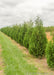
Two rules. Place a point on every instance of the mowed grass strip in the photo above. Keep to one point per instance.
(1, 63)
(15, 63)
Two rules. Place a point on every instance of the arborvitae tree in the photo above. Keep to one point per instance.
(28, 34)
(14, 32)
(50, 54)
(22, 32)
(27, 37)
(38, 41)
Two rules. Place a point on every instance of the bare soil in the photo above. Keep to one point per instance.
(49, 37)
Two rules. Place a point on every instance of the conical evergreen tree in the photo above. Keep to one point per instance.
(28, 34)
(22, 32)
(50, 54)
(38, 41)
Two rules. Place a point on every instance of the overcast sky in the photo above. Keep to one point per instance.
(18, 11)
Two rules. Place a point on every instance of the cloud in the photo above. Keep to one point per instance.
(48, 15)
(18, 11)
(11, 2)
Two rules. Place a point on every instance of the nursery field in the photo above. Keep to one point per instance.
(16, 60)
(27, 49)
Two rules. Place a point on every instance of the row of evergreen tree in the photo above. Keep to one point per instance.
(33, 38)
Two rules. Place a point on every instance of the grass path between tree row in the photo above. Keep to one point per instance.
(14, 61)
(18, 61)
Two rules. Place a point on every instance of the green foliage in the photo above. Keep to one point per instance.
(50, 54)
(49, 29)
(38, 40)
(27, 37)
(52, 33)
(17, 32)
(23, 30)
(53, 38)
(28, 34)
(33, 38)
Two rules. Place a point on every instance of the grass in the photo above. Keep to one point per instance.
(14, 61)
(0, 68)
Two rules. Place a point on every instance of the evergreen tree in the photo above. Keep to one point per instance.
(50, 54)
(38, 41)
(28, 34)
(22, 32)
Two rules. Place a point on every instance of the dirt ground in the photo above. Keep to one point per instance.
(49, 37)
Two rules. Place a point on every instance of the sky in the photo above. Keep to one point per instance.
(17, 11)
